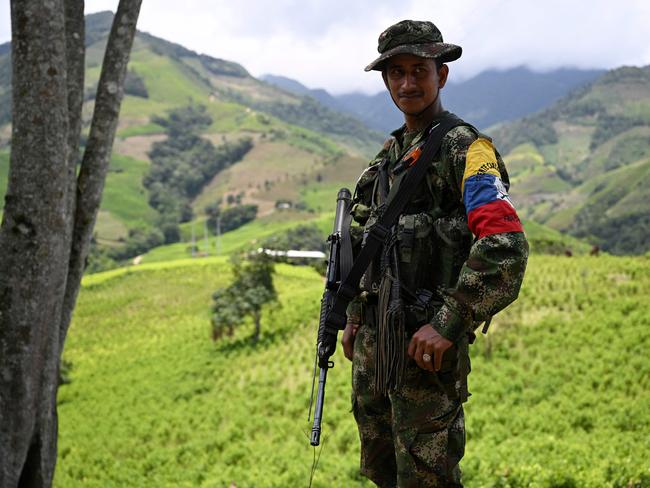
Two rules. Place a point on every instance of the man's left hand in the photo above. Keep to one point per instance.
(427, 340)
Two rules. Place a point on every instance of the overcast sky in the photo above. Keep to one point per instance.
(327, 43)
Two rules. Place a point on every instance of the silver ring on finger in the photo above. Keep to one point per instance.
(426, 358)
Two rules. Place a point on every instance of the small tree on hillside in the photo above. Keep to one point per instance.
(246, 296)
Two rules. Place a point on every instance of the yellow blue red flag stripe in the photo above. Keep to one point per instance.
(489, 209)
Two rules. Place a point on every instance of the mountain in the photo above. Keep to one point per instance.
(489, 98)
(583, 165)
(580, 166)
(210, 79)
(295, 139)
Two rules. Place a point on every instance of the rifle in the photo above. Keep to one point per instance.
(338, 265)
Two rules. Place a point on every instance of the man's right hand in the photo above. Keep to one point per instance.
(347, 341)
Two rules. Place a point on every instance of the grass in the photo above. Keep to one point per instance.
(246, 237)
(267, 164)
(175, 87)
(560, 384)
(109, 228)
(546, 240)
(124, 194)
(141, 130)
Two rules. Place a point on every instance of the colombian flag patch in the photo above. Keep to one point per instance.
(489, 209)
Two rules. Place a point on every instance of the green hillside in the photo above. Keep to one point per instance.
(581, 166)
(247, 237)
(560, 384)
(293, 136)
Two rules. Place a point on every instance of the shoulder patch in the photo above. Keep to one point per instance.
(481, 159)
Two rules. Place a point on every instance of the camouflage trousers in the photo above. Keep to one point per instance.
(415, 436)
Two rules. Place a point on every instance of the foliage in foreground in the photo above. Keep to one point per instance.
(560, 384)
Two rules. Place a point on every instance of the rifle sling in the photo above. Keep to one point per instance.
(399, 195)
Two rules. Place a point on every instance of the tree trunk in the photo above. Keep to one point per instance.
(48, 216)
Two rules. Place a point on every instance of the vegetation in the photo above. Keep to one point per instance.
(251, 289)
(313, 115)
(591, 180)
(230, 218)
(183, 164)
(245, 238)
(306, 237)
(134, 85)
(536, 130)
(560, 384)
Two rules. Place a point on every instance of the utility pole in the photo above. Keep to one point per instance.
(205, 237)
(193, 241)
(218, 239)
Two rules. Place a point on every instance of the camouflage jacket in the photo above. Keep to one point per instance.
(458, 237)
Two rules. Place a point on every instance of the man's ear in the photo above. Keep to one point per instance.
(443, 72)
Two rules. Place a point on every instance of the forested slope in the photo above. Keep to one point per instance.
(583, 165)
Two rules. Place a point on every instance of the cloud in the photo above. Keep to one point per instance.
(326, 43)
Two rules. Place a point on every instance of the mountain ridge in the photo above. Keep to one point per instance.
(303, 151)
(483, 100)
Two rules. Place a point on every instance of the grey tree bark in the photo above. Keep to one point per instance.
(49, 215)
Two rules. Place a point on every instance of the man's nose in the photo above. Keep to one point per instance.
(408, 82)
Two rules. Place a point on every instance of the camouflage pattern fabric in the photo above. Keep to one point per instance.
(473, 261)
(421, 38)
(414, 437)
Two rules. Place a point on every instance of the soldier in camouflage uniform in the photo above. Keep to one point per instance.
(456, 257)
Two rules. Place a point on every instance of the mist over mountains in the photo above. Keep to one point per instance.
(490, 98)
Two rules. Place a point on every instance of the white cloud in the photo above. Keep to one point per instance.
(326, 43)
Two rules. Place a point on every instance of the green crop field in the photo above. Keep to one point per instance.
(561, 384)
(124, 195)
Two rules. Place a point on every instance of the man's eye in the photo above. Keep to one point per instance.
(395, 73)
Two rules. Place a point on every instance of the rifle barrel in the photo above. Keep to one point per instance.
(318, 411)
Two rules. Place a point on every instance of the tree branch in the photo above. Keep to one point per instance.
(96, 160)
(75, 68)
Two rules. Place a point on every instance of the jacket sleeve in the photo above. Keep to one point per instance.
(492, 275)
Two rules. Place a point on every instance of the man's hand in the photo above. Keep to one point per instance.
(427, 340)
(347, 341)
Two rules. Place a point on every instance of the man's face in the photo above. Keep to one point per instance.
(414, 82)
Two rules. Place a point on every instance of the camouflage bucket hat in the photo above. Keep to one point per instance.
(420, 38)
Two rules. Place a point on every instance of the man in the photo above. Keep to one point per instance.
(455, 257)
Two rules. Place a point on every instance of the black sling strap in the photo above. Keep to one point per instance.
(398, 197)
